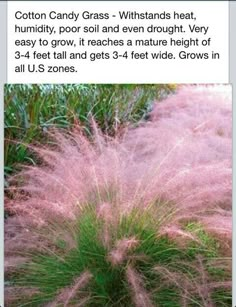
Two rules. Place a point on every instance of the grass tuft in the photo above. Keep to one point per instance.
(135, 236)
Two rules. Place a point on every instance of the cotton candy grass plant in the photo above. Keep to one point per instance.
(99, 225)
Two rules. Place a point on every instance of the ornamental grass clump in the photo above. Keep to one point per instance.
(128, 221)
(96, 260)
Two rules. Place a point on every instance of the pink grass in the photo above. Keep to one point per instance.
(140, 295)
(178, 162)
(120, 252)
(182, 155)
(67, 294)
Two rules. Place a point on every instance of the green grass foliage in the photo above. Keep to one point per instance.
(167, 273)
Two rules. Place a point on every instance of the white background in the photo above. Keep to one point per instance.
(213, 14)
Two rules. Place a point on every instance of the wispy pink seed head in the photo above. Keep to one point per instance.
(122, 247)
(104, 211)
(140, 296)
(67, 294)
